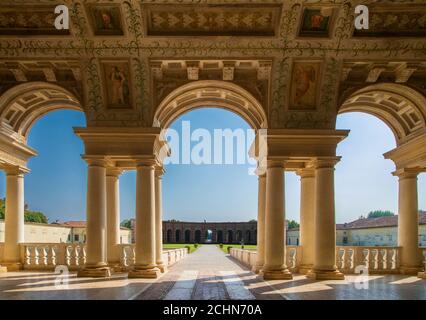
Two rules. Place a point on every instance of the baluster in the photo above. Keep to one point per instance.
(366, 253)
(123, 256)
(351, 259)
(68, 256)
(52, 256)
(43, 256)
(28, 255)
(83, 256)
(36, 256)
(341, 255)
(374, 260)
(394, 259)
(383, 256)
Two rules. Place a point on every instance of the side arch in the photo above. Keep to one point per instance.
(23, 104)
(402, 108)
(210, 93)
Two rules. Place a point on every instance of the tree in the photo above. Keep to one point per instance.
(126, 224)
(293, 224)
(380, 213)
(35, 216)
(29, 216)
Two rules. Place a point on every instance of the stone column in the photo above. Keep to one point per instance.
(325, 225)
(113, 216)
(14, 219)
(275, 266)
(307, 218)
(260, 257)
(408, 222)
(96, 253)
(145, 266)
(159, 220)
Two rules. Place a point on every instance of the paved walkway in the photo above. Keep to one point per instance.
(209, 274)
(206, 274)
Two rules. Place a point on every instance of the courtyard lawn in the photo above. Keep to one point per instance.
(238, 246)
(192, 247)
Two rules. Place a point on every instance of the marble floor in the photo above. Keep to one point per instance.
(206, 274)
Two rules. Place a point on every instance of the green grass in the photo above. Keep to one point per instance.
(179, 246)
(238, 246)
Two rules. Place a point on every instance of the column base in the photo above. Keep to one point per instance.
(162, 267)
(325, 275)
(407, 270)
(283, 274)
(257, 269)
(3, 269)
(422, 275)
(115, 266)
(305, 268)
(12, 266)
(145, 273)
(94, 272)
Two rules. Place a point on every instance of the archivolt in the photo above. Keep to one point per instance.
(210, 93)
(22, 105)
(401, 108)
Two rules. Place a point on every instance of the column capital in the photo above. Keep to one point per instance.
(95, 161)
(325, 163)
(113, 172)
(407, 173)
(275, 164)
(306, 173)
(15, 170)
(159, 172)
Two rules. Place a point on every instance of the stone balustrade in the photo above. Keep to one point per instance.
(47, 256)
(248, 257)
(170, 256)
(378, 260)
(349, 259)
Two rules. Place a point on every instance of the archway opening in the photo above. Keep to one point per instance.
(187, 236)
(197, 236)
(177, 236)
(219, 236)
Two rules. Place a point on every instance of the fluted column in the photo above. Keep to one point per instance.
(275, 266)
(113, 216)
(96, 253)
(14, 219)
(307, 218)
(408, 222)
(260, 257)
(325, 225)
(145, 266)
(159, 220)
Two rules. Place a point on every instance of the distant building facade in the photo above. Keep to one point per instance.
(66, 232)
(210, 232)
(380, 231)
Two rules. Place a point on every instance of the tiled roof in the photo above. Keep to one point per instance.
(75, 224)
(391, 221)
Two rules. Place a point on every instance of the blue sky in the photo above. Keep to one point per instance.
(57, 182)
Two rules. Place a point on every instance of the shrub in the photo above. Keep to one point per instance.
(189, 248)
(229, 249)
(195, 245)
(221, 245)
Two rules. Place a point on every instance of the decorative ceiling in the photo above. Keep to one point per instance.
(300, 58)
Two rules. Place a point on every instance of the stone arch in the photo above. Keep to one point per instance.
(23, 104)
(177, 235)
(169, 236)
(402, 108)
(197, 236)
(187, 236)
(219, 236)
(210, 93)
(230, 236)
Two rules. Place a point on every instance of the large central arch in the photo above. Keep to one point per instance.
(210, 93)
